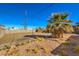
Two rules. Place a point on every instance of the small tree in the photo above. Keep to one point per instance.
(39, 29)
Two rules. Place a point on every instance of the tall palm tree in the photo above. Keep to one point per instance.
(58, 25)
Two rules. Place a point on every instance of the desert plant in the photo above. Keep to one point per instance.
(28, 41)
(63, 52)
(0, 49)
(58, 25)
(47, 51)
(27, 50)
(35, 50)
(17, 44)
(76, 49)
(40, 39)
(39, 30)
(6, 47)
(66, 43)
(22, 43)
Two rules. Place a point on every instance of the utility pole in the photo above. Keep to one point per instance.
(25, 21)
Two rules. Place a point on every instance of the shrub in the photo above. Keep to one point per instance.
(63, 52)
(42, 48)
(17, 44)
(46, 50)
(66, 43)
(76, 49)
(0, 49)
(22, 43)
(40, 39)
(27, 50)
(6, 47)
(36, 50)
(28, 41)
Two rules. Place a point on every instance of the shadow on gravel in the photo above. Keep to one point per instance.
(34, 36)
(67, 49)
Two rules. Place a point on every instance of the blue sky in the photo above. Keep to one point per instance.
(36, 14)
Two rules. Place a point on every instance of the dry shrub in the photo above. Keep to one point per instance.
(27, 50)
(17, 44)
(40, 39)
(63, 52)
(12, 52)
(46, 50)
(66, 43)
(28, 41)
(76, 49)
(5, 47)
(36, 50)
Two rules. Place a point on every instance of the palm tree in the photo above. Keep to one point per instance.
(58, 25)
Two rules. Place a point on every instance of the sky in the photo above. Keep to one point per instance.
(35, 14)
